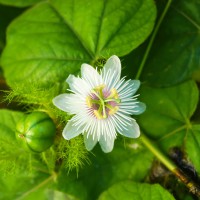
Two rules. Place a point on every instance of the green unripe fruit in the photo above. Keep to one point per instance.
(36, 131)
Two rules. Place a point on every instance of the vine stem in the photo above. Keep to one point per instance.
(184, 178)
(154, 149)
(152, 39)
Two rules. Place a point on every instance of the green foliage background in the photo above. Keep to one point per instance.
(42, 42)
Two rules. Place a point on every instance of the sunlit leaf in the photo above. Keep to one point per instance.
(55, 195)
(128, 190)
(8, 120)
(54, 38)
(25, 187)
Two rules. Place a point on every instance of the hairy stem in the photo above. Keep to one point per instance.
(152, 39)
(184, 178)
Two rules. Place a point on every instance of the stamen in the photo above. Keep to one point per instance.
(113, 94)
(98, 114)
(113, 110)
(94, 92)
(101, 105)
(104, 112)
(89, 101)
(115, 100)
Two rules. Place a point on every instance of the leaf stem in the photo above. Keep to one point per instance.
(184, 178)
(152, 39)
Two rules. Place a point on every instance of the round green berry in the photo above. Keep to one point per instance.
(36, 131)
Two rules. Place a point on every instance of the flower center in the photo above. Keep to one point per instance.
(103, 102)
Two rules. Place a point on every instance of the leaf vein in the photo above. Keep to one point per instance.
(100, 27)
(73, 31)
(119, 28)
(188, 18)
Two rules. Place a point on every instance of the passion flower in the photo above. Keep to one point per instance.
(36, 131)
(102, 105)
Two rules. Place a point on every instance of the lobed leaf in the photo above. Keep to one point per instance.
(168, 118)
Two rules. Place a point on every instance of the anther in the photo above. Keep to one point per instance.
(113, 110)
(89, 101)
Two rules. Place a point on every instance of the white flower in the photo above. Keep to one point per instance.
(101, 104)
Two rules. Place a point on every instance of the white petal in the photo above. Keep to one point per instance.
(120, 123)
(141, 107)
(131, 131)
(70, 131)
(128, 88)
(70, 103)
(132, 107)
(90, 75)
(111, 71)
(78, 85)
(90, 141)
(107, 143)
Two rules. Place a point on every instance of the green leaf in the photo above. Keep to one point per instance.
(128, 190)
(168, 109)
(11, 155)
(192, 145)
(6, 15)
(25, 187)
(175, 53)
(128, 160)
(8, 120)
(55, 195)
(19, 3)
(54, 38)
(72, 185)
(168, 118)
